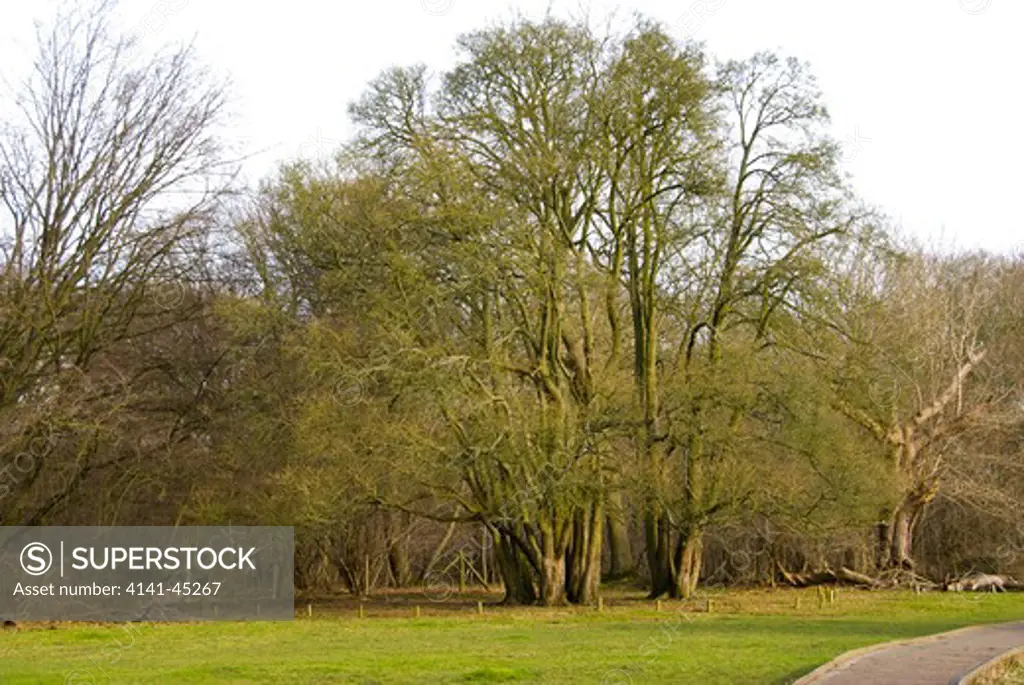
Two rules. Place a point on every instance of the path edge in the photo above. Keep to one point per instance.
(969, 678)
(853, 655)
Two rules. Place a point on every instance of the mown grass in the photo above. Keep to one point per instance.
(750, 637)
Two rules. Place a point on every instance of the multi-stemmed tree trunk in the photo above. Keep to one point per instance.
(515, 570)
(513, 134)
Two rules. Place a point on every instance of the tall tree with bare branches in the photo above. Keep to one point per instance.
(109, 164)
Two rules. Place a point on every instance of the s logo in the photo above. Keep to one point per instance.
(36, 559)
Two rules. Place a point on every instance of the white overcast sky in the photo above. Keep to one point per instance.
(921, 91)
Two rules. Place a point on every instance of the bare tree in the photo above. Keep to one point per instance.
(919, 394)
(108, 164)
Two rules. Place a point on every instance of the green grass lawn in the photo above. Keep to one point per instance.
(750, 637)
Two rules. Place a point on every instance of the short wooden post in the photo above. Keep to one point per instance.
(362, 612)
(657, 606)
(309, 610)
(796, 603)
(600, 604)
(480, 608)
(711, 605)
(417, 611)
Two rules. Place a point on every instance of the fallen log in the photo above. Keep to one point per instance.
(843, 576)
(984, 582)
(897, 578)
(851, 577)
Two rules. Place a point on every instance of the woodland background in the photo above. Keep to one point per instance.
(587, 306)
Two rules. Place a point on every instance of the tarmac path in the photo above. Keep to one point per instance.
(933, 660)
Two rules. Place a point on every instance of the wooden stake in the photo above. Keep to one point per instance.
(309, 610)
(657, 605)
(600, 604)
(480, 608)
(417, 611)
(362, 614)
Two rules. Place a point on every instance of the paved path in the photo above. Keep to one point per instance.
(934, 660)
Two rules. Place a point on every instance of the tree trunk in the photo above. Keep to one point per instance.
(902, 540)
(659, 559)
(688, 555)
(515, 571)
(904, 521)
(619, 548)
(398, 556)
(583, 563)
(552, 580)
(689, 559)
(883, 545)
(552, 567)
